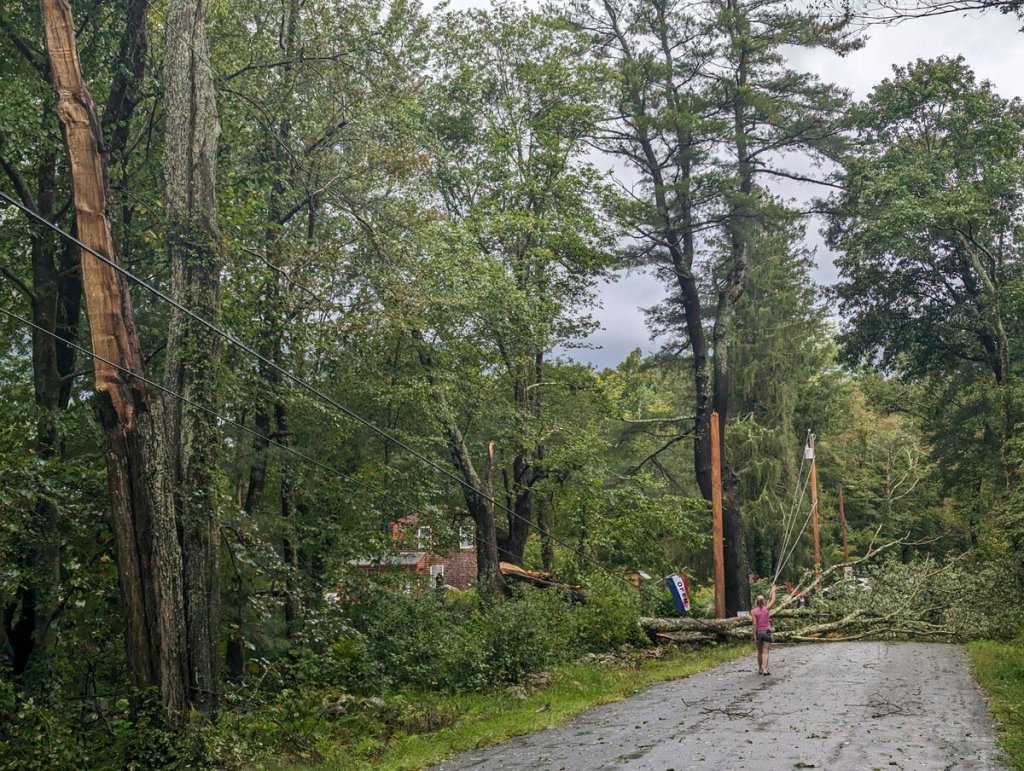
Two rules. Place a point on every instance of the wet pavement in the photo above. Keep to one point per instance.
(858, 705)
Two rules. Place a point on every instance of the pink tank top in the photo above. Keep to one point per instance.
(762, 619)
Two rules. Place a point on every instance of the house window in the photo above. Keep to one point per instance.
(423, 537)
(437, 576)
(466, 540)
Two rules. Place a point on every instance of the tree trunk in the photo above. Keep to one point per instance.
(55, 300)
(512, 547)
(56, 307)
(737, 583)
(547, 546)
(289, 554)
(479, 495)
(482, 510)
(126, 90)
(527, 466)
(146, 545)
(190, 155)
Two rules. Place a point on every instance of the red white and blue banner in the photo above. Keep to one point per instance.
(679, 590)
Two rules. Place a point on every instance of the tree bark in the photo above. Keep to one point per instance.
(193, 244)
(142, 517)
(547, 546)
(289, 553)
(478, 493)
(737, 584)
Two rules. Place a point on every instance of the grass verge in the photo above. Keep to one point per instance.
(483, 719)
(999, 669)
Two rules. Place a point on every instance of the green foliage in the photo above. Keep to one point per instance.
(445, 642)
(526, 635)
(928, 227)
(608, 619)
(968, 597)
(383, 170)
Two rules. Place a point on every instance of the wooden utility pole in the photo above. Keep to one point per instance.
(814, 508)
(842, 526)
(717, 538)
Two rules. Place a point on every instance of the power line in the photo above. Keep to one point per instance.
(207, 410)
(227, 336)
(256, 434)
(184, 399)
(791, 518)
(803, 529)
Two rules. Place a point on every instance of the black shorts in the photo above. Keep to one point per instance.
(764, 636)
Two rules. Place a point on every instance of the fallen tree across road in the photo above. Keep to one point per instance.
(920, 600)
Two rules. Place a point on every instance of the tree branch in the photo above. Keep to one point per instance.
(18, 283)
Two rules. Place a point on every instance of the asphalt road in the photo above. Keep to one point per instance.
(860, 705)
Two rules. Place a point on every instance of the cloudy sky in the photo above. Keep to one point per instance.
(992, 45)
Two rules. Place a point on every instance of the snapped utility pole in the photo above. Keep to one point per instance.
(717, 534)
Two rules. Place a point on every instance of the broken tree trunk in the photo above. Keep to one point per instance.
(142, 514)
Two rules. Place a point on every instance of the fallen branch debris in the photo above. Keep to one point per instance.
(856, 615)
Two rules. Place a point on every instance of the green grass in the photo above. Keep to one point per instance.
(481, 720)
(999, 669)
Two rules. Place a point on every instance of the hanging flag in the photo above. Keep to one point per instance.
(679, 590)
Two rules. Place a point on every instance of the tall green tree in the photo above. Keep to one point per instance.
(317, 211)
(703, 107)
(515, 102)
(928, 228)
(781, 345)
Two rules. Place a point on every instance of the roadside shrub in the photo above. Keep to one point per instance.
(330, 653)
(143, 740)
(435, 640)
(527, 634)
(610, 617)
(454, 642)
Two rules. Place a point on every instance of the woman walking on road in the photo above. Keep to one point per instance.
(762, 619)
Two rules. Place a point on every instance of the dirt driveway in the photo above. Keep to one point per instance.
(851, 706)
